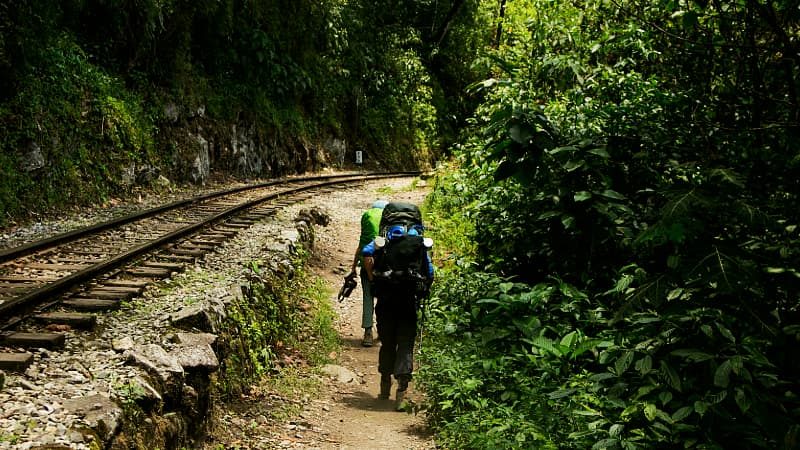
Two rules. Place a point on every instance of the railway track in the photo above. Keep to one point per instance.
(66, 280)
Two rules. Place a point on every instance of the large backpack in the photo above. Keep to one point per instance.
(399, 213)
(401, 263)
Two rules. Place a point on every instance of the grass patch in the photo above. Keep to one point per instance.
(319, 339)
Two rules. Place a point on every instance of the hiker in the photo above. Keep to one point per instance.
(400, 270)
(370, 221)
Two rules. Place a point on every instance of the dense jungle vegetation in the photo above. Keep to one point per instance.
(92, 90)
(621, 215)
(616, 220)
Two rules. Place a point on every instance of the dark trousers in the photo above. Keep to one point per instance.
(396, 315)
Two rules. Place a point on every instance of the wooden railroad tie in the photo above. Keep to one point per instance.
(15, 361)
(125, 283)
(92, 304)
(109, 294)
(181, 258)
(148, 272)
(75, 320)
(34, 340)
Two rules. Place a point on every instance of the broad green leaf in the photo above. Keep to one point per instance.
(616, 430)
(599, 151)
(675, 293)
(561, 393)
(573, 165)
(548, 214)
(691, 354)
(586, 412)
(582, 195)
(718, 397)
(644, 365)
(612, 194)
(629, 410)
(605, 443)
(650, 411)
(602, 376)
(546, 344)
(722, 374)
(682, 413)
(623, 362)
(665, 397)
(568, 222)
(644, 390)
(671, 376)
(742, 400)
(557, 150)
(569, 339)
(725, 332)
(700, 407)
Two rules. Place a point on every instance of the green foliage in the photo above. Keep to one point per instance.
(108, 131)
(263, 319)
(631, 190)
(88, 83)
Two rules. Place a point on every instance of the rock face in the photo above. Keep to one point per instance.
(202, 145)
(32, 158)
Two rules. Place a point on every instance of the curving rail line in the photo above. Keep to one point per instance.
(152, 243)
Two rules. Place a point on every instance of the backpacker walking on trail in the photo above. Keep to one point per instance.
(370, 223)
(400, 269)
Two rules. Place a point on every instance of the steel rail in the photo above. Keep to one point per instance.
(13, 306)
(70, 236)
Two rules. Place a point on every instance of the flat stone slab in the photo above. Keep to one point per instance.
(195, 338)
(16, 361)
(99, 412)
(166, 372)
(341, 374)
(196, 358)
(35, 340)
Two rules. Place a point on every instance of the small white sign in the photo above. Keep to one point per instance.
(359, 157)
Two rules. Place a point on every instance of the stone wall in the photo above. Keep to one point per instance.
(169, 404)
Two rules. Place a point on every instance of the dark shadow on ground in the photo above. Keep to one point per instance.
(351, 342)
(420, 430)
(356, 342)
(368, 402)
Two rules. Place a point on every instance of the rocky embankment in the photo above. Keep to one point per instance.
(144, 377)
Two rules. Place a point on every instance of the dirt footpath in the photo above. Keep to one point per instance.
(356, 418)
(341, 410)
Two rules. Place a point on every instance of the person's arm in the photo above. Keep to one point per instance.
(369, 264)
(367, 254)
(355, 260)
